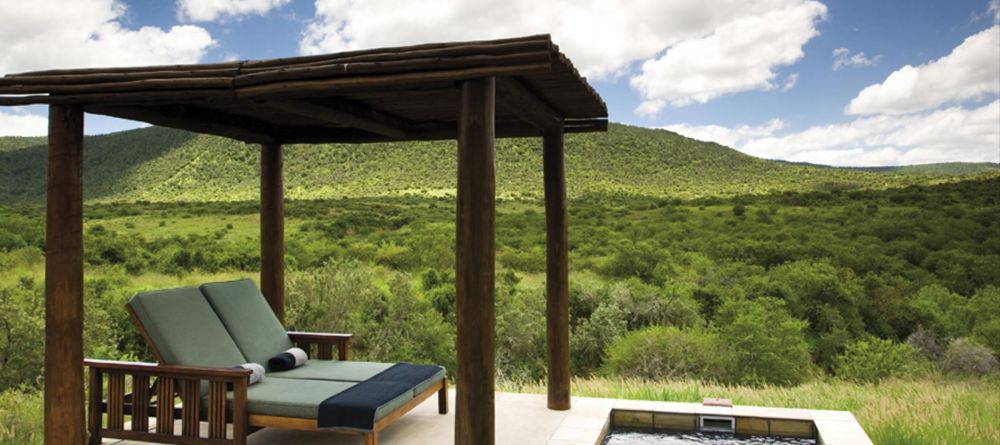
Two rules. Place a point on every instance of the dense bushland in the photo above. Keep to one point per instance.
(783, 290)
(790, 288)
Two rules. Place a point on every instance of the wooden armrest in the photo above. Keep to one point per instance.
(324, 340)
(173, 371)
(171, 381)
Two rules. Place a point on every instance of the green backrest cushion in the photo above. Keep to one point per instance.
(248, 318)
(184, 328)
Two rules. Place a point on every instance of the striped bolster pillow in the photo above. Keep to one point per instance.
(292, 358)
(256, 372)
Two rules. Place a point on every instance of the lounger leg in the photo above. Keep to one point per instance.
(371, 438)
(443, 397)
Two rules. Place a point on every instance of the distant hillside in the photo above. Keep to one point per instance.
(939, 169)
(159, 164)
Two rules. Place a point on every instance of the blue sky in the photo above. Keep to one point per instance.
(759, 76)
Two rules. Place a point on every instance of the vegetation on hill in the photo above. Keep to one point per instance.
(159, 164)
(942, 169)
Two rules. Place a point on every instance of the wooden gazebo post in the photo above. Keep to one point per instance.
(474, 263)
(64, 418)
(272, 228)
(557, 270)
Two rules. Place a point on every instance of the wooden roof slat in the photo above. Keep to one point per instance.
(423, 50)
(187, 83)
(309, 88)
(343, 69)
(114, 77)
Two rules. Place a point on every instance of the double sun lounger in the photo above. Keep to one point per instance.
(201, 336)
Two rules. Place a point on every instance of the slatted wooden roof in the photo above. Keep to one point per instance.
(388, 94)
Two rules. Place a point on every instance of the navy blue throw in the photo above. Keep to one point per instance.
(355, 407)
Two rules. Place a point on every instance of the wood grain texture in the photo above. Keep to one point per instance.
(475, 263)
(191, 408)
(116, 401)
(94, 412)
(557, 270)
(140, 403)
(64, 398)
(272, 228)
(165, 406)
(217, 410)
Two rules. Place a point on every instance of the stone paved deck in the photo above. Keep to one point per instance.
(524, 419)
(521, 419)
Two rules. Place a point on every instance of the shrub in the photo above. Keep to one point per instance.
(984, 308)
(520, 331)
(875, 359)
(22, 320)
(665, 352)
(942, 310)
(763, 343)
(967, 357)
(592, 336)
(926, 342)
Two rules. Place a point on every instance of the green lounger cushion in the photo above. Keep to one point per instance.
(338, 371)
(429, 382)
(184, 328)
(248, 318)
(301, 398)
(333, 370)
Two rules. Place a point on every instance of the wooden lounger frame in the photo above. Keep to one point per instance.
(155, 388)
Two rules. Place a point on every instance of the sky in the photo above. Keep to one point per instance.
(837, 82)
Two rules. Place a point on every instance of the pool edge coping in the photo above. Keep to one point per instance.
(590, 419)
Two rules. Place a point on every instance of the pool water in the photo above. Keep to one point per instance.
(631, 437)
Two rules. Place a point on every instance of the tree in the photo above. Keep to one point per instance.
(762, 342)
(875, 359)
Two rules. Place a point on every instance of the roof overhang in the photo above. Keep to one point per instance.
(387, 94)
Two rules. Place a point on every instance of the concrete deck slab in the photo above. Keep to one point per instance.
(524, 419)
(521, 419)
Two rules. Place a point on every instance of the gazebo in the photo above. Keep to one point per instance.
(469, 91)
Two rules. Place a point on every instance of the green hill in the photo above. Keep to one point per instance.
(938, 169)
(159, 164)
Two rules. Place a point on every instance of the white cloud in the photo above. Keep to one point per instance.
(18, 122)
(842, 57)
(947, 135)
(603, 38)
(740, 55)
(970, 71)
(730, 137)
(210, 10)
(790, 82)
(86, 33)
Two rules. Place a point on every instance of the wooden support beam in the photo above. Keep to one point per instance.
(196, 119)
(272, 228)
(557, 270)
(515, 98)
(475, 262)
(344, 113)
(64, 406)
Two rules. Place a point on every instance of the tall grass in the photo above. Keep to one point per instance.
(21, 417)
(932, 411)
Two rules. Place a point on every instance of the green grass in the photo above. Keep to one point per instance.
(21, 417)
(928, 411)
